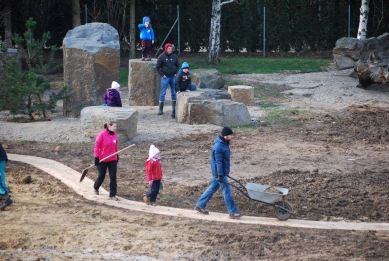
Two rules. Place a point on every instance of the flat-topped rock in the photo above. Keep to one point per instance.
(242, 93)
(93, 119)
(197, 107)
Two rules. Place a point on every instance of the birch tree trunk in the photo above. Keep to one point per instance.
(364, 14)
(76, 13)
(214, 34)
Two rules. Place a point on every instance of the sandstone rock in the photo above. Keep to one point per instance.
(91, 63)
(196, 108)
(346, 52)
(144, 83)
(93, 119)
(242, 93)
(207, 78)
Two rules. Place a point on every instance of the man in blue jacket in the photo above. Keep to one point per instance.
(220, 166)
(3, 187)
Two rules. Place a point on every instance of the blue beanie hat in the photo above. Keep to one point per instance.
(146, 19)
(185, 65)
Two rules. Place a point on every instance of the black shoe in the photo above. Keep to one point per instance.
(201, 210)
(235, 216)
(6, 203)
(96, 192)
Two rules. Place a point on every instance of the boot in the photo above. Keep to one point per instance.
(173, 109)
(143, 58)
(149, 57)
(160, 111)
(146, 200)
(8, 201)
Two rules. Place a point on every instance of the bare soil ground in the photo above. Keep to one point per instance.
(330, 147)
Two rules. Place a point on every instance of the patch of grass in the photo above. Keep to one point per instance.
(267, 105)
(247, 65)
(123, 76)
(232, 83)
(284, 118)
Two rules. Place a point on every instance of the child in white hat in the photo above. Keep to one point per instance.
(154, 175)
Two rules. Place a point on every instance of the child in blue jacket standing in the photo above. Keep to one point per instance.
(146, 38)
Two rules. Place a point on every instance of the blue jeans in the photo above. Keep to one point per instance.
(192, 87)
(165, 81)
(227, 193)
(154, 190)
(3, 186)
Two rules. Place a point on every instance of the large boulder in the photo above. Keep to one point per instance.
(198, 108)
(348, 51)
(207, 78)
(144, 83)
(91, 62)
(93, 119)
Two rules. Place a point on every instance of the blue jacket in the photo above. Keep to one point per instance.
(146, 33)
(220, 158)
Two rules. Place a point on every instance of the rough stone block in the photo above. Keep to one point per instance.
(93, 119)
(207, 78)
(242, 93)
(144, 83)
(91, 63)
(197, 108)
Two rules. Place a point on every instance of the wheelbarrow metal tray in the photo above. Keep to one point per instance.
(257, 192)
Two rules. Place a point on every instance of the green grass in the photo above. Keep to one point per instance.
(247, 65)
(284, 118)
(123, 76)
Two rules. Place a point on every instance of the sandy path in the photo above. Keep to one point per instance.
(71, 177)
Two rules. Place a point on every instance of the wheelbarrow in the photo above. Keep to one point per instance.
(267, 194)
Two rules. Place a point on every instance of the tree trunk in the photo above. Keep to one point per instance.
(132, 29)
(214, 34)
(76, 13)
(363, 17)
(7, 27)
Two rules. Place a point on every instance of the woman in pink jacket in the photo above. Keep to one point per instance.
(105, 145)
(154, 175)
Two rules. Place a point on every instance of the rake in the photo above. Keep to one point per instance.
(83, 174)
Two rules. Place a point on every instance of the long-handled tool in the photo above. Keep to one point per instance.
(83, 174)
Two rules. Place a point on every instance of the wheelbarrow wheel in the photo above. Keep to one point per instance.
(283, 210)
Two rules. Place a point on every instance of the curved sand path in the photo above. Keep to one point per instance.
(71, 178)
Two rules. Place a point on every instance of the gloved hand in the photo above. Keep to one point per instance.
(219, 178)
(151, 182)
(97, 161)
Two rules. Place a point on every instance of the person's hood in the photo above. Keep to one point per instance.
(166, 46)
(146, 19)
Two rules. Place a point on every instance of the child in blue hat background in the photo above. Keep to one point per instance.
(183, 80)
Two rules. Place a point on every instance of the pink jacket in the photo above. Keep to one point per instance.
(153, 169)
(105, 145)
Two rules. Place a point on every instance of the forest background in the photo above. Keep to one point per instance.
(303, 26)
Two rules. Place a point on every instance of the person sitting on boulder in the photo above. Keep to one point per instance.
(112, 96)
(183, 79)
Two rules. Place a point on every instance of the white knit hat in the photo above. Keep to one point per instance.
(153, 151)
(115, 85)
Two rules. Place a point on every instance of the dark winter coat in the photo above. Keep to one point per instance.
(112, 98)
(3, 154)
(167, 64)
(220, 159)
(183, 81)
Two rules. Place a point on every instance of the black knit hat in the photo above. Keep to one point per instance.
(227, 131)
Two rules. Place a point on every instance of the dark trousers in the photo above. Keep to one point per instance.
(112, 169)
(154, 190)
(146, 48)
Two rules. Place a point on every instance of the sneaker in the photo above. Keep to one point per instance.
(201, 210)
(235, 216)
(96, 192)
(114, 198)
(6, 203)
(153, 204)
(146, 200)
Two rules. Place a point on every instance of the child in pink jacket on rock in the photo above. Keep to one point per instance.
(154, 175)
